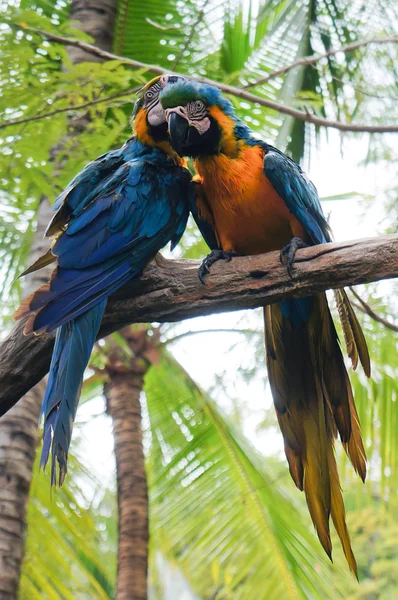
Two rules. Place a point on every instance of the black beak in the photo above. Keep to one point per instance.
(178, 130)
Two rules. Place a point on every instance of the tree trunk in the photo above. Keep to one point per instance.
(123, 404)
(18, 429)
(123, 400)
(18, 441)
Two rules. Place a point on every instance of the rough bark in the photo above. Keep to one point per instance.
(18, 441)
(123, 395)
(97, 18)
(169, 291)
(125, 382)
(18, 429)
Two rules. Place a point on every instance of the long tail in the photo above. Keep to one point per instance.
(73, 344)
(313, 400)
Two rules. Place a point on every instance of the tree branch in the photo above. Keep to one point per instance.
(169, 291)
(70, 108)
(368, 310)
(185, 334)
(228, 89)
(310, 60)
(299, 114)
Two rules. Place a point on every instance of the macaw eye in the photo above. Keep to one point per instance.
(199, 105)
(150, 94)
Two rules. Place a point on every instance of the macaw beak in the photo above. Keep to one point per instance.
(191, 138)
(178, 131)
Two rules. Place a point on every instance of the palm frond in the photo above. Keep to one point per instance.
(64, 556)
(153, 31)
(217, 507)
(377, 404)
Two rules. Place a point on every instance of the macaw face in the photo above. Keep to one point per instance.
(148, 110)
(193, 130)
(151, 102)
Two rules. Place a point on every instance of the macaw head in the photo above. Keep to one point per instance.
(201, 121)
(148, 119)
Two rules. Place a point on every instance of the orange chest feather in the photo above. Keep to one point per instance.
(249, 215)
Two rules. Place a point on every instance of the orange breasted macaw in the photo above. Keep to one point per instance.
(110, 221)
(251, 198)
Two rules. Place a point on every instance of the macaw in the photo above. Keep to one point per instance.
(110, 221)
(251, 198)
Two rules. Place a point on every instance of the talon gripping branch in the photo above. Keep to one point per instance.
(251, 199)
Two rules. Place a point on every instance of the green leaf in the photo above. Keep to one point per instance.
(63, 557)
(216, 504)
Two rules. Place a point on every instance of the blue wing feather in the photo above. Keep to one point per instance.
(111, 220)
(301, 197)
(73, 345)
(113, 238)
(89, 182)
(205, 227)
(298, 193)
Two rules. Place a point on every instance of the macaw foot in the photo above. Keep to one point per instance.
(211, 258)
(290, 250)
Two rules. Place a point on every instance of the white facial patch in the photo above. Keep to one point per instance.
(197, 116)
(155, 111)
(156, 115)
(202, 126)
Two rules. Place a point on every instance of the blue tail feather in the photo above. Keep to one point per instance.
(56, 313)
(297, 310)
(73, 344)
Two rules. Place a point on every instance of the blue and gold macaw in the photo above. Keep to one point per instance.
(110, 221)
(251, 198)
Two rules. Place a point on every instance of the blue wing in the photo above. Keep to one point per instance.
(87, 185)
(298, 193)
(110, 237)
(301, 197)
(110, 221)
(73, 345)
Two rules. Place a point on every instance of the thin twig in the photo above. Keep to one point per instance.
(190, 36)
(68, 108)
(310, 60)
(228, 89)
(302, 115)
(368, 310)
(185, 334)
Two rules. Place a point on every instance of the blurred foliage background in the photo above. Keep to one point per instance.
(225, 520)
